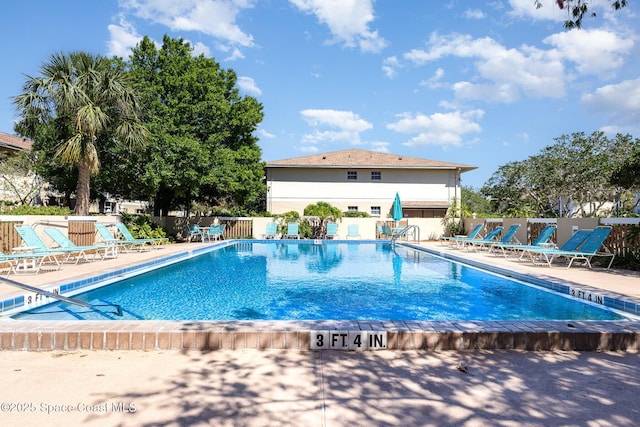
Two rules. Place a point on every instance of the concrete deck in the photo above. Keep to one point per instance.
(252, 387)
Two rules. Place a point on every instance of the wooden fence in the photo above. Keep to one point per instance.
(236, 228)
(82, 233)
(9, 237)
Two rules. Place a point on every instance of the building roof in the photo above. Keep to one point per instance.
(14, 142)
(359, 159)
(421, 204)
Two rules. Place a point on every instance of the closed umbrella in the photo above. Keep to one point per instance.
(397, 208)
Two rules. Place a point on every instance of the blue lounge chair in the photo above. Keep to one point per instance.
(585, 250)
(25, 263)
(292, 231)
(128, 237)
(108, 238)
(540, 241)
(508, 237)
(570, 245)
(271, 232)
(33, 243)
(353, 231)
(493, 234)
(332, 230)
(461, 240)
(63, 242)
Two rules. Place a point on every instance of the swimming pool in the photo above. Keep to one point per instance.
(328, 281)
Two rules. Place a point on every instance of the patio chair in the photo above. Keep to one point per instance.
(540, 241)
(214, 232)
(586, 250)
(63, 242)
(271, 232)
(384, 231)
(353, 231)
(332, 230)
(128, 237)
(292, 231)
(192, 232)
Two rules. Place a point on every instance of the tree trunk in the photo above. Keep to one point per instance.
(83, 191)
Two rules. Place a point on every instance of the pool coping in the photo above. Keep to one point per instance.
(38, 335)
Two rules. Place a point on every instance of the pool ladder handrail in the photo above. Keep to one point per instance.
(59, 297)
(405, 232)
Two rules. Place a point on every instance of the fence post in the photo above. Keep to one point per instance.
(82, 231)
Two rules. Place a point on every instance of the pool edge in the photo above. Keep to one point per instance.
(34, 335)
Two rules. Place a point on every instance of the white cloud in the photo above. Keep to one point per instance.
(122, 38)
(264, 134)
(548, 11)
(620, 101)
(474, 14)
(594, 51)
(249, 85)
(344, 126)
(434, 82)
(216, 18)
(390, 66)
(446, 129)
(507, 73)
(345, 120)
(380, 146)
(348, 21)
(201, 49)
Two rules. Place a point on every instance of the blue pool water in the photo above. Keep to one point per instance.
(331, 281)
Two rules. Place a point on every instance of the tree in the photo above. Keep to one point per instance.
(568, 178)
(475, 202)
(627, 174)
(324, 211)
(203, 149)
(18, 182)
(84, 101)
(577, 9)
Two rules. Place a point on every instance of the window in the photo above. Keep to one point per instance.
(352, 209)
(375, 210)
(352, 175)
(376, 176)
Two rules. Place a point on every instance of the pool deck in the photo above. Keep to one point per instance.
(76, 382)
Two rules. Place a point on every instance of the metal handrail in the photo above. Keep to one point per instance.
(59, 297)
(405, 232)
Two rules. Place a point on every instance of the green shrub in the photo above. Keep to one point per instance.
(38, 210)
(142, 227)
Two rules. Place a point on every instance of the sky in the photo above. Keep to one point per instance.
(482, 83)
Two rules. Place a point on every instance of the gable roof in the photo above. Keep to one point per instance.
(14, 142)
(359, 159)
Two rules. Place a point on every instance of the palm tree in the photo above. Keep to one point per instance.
(91, 98)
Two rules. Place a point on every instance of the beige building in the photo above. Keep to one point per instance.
(12, 144)
(365, 181)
